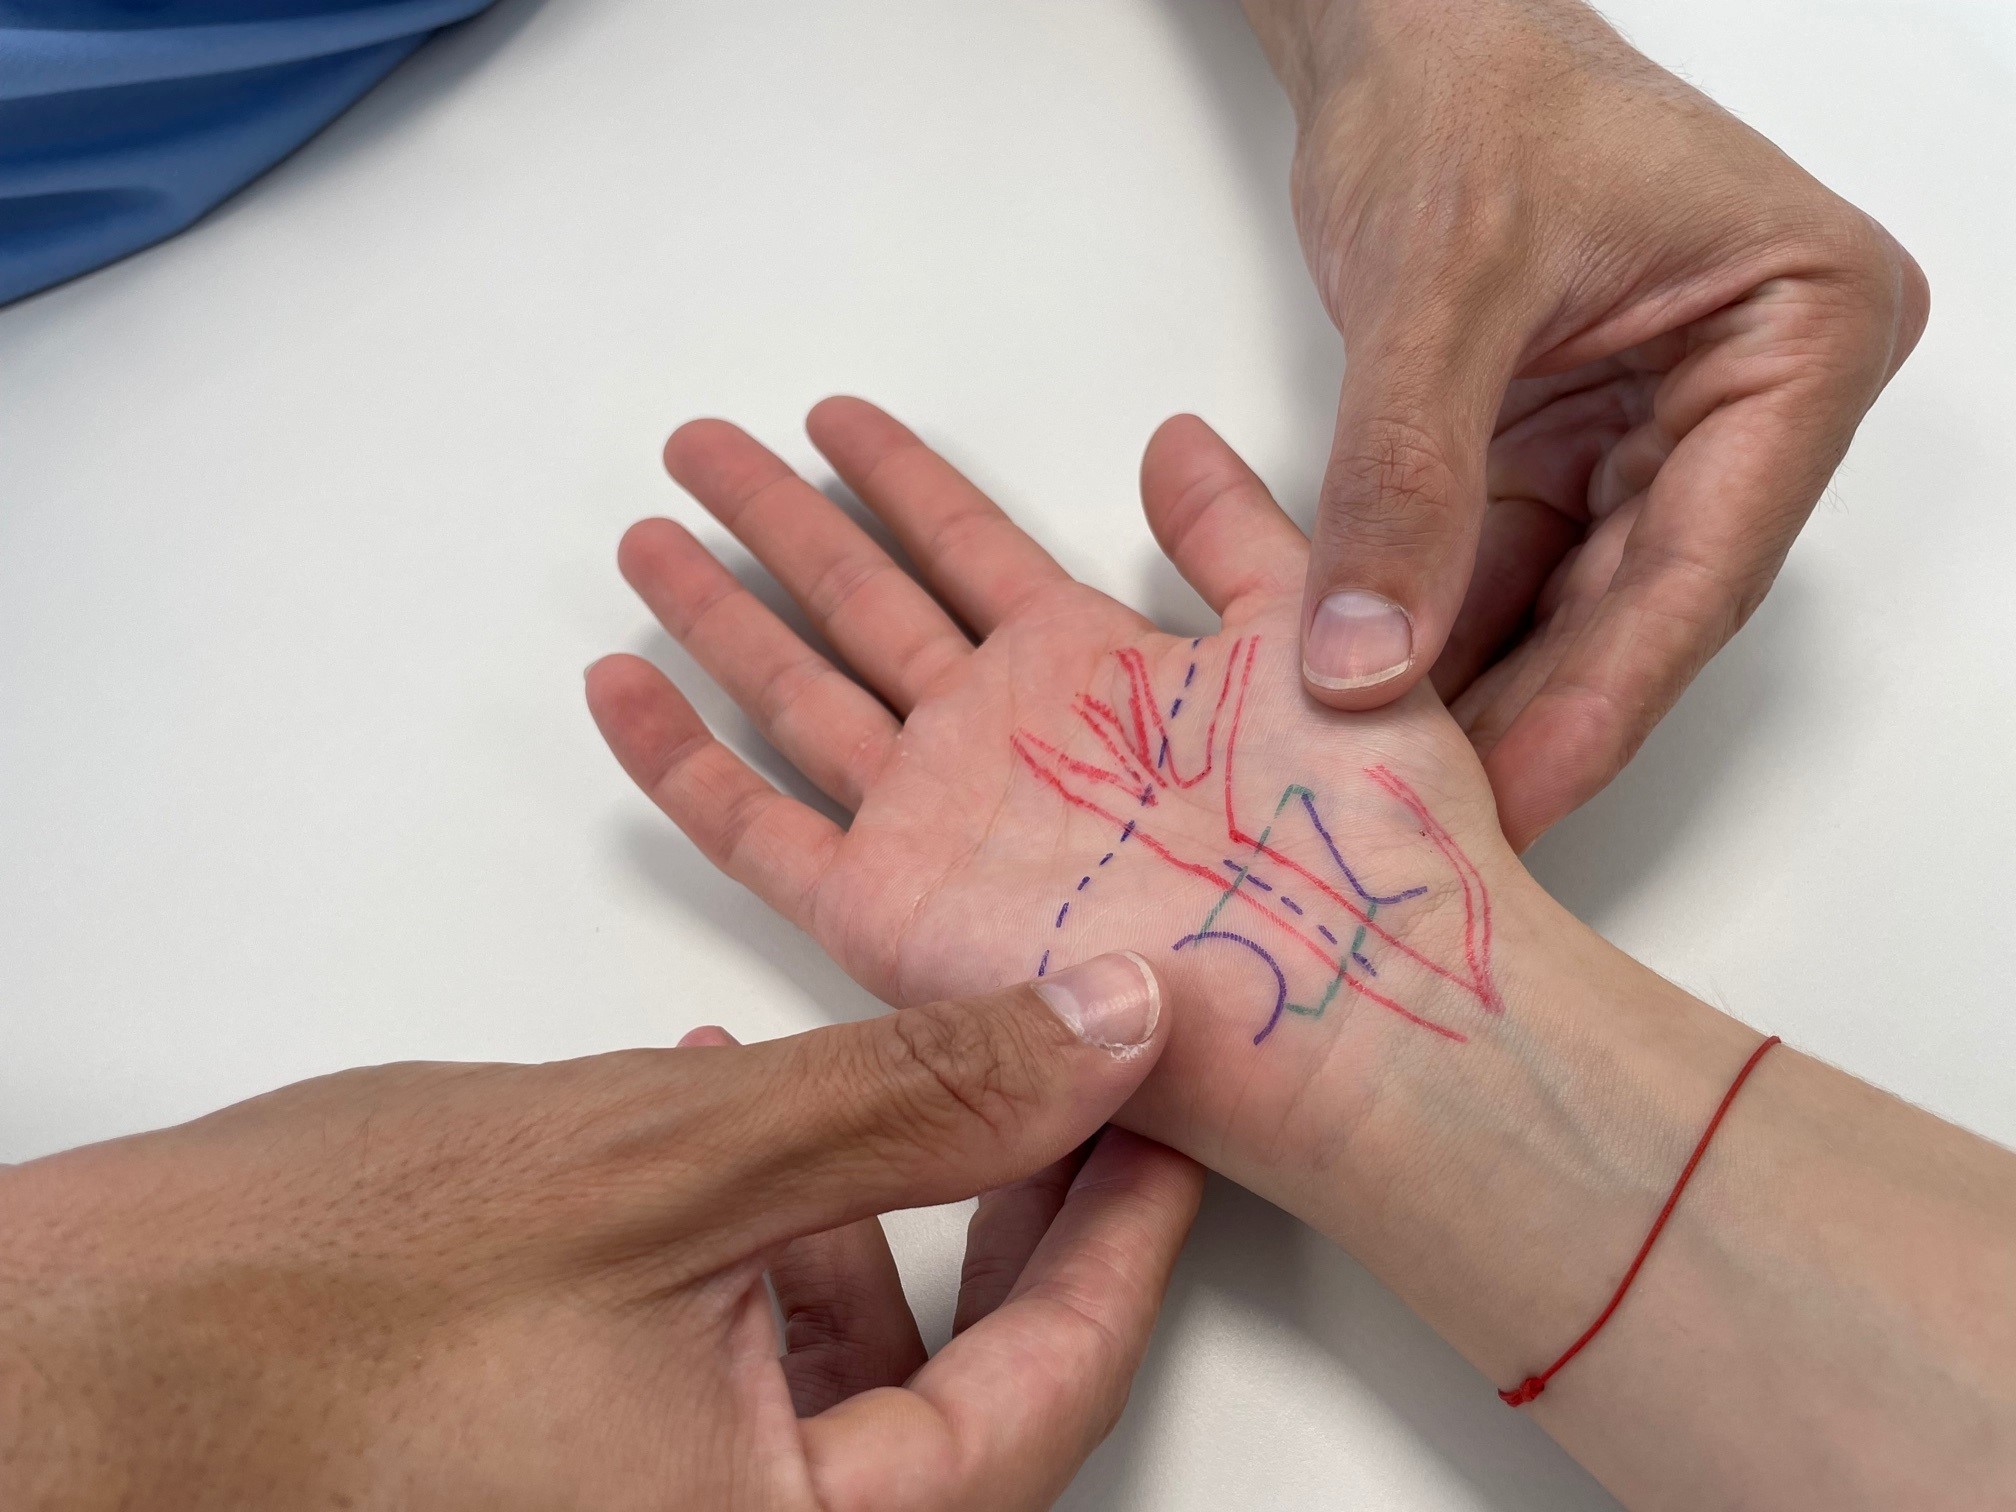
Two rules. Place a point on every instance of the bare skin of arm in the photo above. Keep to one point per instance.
(527, 1287)
(1385, 1025)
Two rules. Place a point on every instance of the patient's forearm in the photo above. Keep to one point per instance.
(1829, 1318)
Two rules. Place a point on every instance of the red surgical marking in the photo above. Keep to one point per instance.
(1083, 769)
(1239, 836)
(1477, 912)
(1047, 761)
(1020, 742)
(1099, 718)
(1141, 691)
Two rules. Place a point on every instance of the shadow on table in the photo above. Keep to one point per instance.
(1258, 129)
(686, 878)
(437, 69)
(1265, 1262)
(1763, 684)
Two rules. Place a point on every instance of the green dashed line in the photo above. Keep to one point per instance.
(1238, 877)
(1324, 1002)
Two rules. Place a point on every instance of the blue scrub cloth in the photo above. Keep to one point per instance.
(121, 121)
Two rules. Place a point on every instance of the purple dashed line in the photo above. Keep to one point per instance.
(1290, 904)
(1176, 708)
(1044, 964)
(1105, 858)
(1127, 831)
(1084, 882)
(1187, 676)
(1162, 756)
(1324, 930)
(1247, 876)
(1147, 796)
(1060, 916)
(1370, 969)
(1196, 643)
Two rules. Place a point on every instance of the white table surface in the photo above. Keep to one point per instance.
(307, 522)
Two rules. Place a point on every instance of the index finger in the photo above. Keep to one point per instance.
(981, 562)
(1007, 1412)
(1713, 526)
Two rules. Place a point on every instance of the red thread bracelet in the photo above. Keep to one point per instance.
(1533, 1385)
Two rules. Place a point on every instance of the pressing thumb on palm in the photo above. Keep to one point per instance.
(1401, 508)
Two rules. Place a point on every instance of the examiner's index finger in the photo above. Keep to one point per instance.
(1710, 533)
(1008, 1411)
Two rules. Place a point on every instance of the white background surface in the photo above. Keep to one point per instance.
(307, 524)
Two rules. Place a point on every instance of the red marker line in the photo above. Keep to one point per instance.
(1205, 873)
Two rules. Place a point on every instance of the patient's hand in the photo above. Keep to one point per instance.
(1376, 1019)
(1315, 887)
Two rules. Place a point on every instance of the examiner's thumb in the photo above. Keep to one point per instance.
(936, 1103)
(1396, 525)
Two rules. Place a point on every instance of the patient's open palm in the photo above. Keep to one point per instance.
(1077, 781)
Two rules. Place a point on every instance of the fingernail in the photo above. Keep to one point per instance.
(1111, 1001)
(1357, 639)
(706, 1036)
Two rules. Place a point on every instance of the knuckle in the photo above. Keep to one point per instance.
(1393, 484)
(828, 1325)
(782, 690)
(739, 819)
(953, 537)
(842, 582)
(988, 1273)
(961, 1066)
(927, 664)
(1707, 600)
(1884, 290)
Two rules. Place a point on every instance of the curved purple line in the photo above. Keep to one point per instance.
(1309, 806)
(1280, 981)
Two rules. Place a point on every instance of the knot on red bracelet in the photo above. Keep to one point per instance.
(1523, 1393)
(1533, 1385)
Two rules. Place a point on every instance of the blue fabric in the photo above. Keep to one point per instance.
(121, 121)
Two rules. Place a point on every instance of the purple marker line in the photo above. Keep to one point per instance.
(1084, 881)
(1190, 674)
(1290, 904)
(1196, 643)
(1060, 916)
(1280, 979)
(1247, 876)
(1044, 964)
(1148, 797)
(1370, 969)
(1309, 804)
(1324, 930)
(1105, 858)
(1127, 831)
(1162, 756)
(1176, 708)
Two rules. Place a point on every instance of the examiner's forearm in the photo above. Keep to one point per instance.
(1316, 45)
(1829, 1318)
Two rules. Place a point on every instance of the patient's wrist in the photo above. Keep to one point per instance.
(1499, 1185)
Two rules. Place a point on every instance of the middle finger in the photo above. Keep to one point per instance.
(873, 612)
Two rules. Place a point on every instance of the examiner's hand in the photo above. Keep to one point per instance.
(1606, 345)
(540, 1286)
